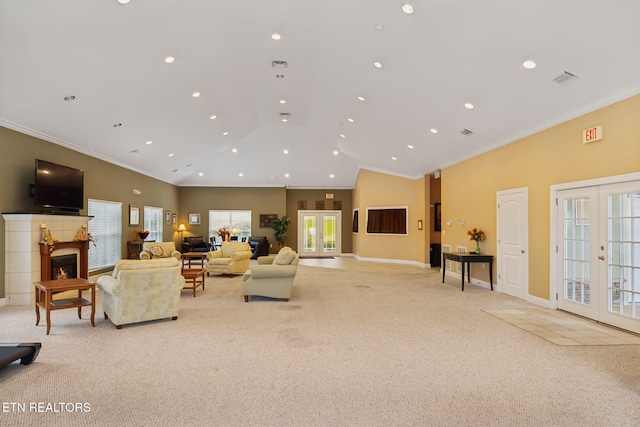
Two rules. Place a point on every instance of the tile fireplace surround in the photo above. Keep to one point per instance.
(22, 237)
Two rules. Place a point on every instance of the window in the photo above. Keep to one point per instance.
(153, 223)
(106, 229)
(230, 220)
(387, 220)
(354, 226)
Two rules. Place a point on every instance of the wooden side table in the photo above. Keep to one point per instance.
(195, 277)
(46, 288)
(188, 257)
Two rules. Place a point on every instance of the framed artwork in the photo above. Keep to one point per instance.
(174, 219)
(302, 205)
(134, 216)
(337, 205)
(319, 205)
(437, 216)
(167, 217)
(194, 218)
(265, 220)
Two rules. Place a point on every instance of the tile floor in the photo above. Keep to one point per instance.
(563, 328)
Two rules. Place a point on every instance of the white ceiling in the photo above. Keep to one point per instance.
(449, 52)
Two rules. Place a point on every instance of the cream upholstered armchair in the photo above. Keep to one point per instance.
(159, 250)
(138, 291)
(273, 276)
(232, 258)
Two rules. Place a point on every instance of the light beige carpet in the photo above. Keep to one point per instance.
(351, 348)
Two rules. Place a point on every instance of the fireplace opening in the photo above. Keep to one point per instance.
(64, 267)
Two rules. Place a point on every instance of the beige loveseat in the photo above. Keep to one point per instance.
(141, 290)
(232, 258)
(273, 276)
(159, 250)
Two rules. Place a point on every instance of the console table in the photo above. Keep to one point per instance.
(467, 259)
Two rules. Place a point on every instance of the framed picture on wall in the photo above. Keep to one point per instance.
(134, 216)
(265, 220)
(302, 205)
(194, 218)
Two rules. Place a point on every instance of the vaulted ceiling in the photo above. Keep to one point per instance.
(134, 109)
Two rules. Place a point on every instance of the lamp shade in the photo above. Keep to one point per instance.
(234, 230)
(181, 227)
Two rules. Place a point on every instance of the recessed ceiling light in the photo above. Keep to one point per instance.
(69, 98)
(331, 176)
(149, 142)
(335, 152)
(195, 94)
(240, 174)
(201, 174)
(394, 158)
(117, 125)
(279, 76)
(286, 175)
(213, 117)
(169, 59)
(342, 136)
(361, 98)
(283, 101)
(377, 64)
(468, 106)
(529, 64)
(285, 120)
(350, 120)
(123, 1)
(410, 146)
(225, 133)
(234, 150)
(408, 9)
(276, 36)
(171, 155)
(285, 151)
(434, 130)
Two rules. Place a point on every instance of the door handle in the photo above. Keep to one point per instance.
(601, 258)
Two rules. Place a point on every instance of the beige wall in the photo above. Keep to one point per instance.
(311, 196)
(556, 155)
(103, 181)
(375, 189)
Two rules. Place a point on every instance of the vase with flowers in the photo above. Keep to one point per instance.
(224, 233)
(477, 235)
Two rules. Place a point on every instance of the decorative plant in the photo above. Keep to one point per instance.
(280, 226)
(223, 232)
(477, 235)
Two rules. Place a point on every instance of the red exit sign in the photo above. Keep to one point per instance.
(592, 134)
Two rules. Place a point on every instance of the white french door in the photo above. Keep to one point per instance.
(599, 253)
(319, 233)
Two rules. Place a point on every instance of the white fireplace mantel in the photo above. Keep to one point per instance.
(22, 236)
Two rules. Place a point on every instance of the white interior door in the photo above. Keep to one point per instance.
(599, 253)
(319, 233)
(513, 242)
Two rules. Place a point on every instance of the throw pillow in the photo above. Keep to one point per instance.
(285, 256)
(156, 251)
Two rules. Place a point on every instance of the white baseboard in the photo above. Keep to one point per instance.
(474, 281)
(541, 302)
(393, 261)
(3, 302)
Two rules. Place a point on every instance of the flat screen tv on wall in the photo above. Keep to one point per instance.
(58, 187)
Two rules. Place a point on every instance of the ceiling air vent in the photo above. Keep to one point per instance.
(565, 77)
(136, 151)
(279, 64)
(466, 132)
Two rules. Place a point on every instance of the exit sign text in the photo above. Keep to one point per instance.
(592, 134)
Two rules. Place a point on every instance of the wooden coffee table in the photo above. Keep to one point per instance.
(195, 277)
(46, 288)
(188, 257)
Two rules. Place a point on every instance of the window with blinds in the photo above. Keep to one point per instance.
(153, 223)
(238, 220)
(106, 229)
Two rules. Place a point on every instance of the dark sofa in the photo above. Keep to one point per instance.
(259, 246)
(195, 244)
